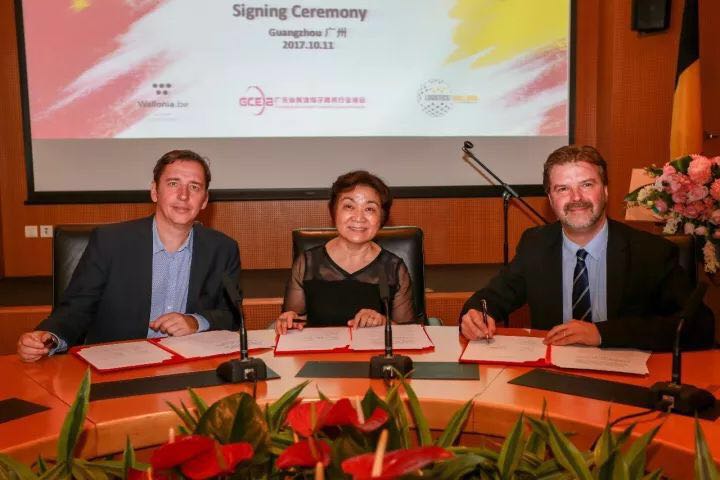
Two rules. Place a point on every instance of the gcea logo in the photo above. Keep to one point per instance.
(256, 99)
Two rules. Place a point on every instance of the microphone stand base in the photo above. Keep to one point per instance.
(247, 370)
(382, 366)
(685, 399)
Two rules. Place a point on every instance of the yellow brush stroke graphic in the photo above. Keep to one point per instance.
(503, 29)
(79, 5)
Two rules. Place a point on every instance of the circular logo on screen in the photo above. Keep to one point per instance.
(434, 98)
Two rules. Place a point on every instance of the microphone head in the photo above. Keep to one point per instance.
(468, 145)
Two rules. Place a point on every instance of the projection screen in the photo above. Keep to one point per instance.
(283, 96)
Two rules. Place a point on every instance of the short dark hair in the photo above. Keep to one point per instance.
(571, 154)
(350, 180)
(184, 155)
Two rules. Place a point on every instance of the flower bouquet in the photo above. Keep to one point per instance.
(686, 196)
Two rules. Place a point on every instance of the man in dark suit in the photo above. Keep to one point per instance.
(156, 276)
(589, 280)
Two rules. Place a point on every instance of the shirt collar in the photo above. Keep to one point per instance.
(158, 245)
(595, 247)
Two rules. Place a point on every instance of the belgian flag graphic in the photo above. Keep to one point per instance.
(686, 133)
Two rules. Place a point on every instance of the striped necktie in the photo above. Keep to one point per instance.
(581, 307)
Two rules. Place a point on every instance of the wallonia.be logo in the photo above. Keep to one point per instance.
(255, 100)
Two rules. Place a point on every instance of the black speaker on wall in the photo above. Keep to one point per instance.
(650, 15)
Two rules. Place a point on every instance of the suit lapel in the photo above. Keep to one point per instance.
(552, 266)
(616, 266)
(198, 267)
(145, 264)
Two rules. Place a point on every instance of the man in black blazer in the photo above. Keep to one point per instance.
(587, 279)
(155, 276)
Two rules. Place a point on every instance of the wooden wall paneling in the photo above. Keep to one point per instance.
(710, 65)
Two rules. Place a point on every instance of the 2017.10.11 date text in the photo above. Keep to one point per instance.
(307, 45)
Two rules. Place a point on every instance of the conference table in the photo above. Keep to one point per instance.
(146, 418)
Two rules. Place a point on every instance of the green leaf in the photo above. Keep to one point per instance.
(460, 466)
(321, 395)
(624, 436)
(512, 449)
(705, 468)
(421, 424)
(42, 466)
(604, 446)
(236, 418)
(549, 468)
(398, 414)
(73, 424)
(10, 467)
(81, 470)
(455, 426)
(185, 416)
(199, 403)
(536, 446)
(567, 454)
(681, 164)
(635, 456)
(278, 409)
(59, 470)
(540, 427)
(128, 458)
(614, 468)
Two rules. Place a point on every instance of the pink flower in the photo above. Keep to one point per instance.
(699, 169)
(660, 205)
(716, 160)
(697, 192)
(689, 228)
(715, 189)
(716, 234)
(701, 230)
(668, 170)
(715, 217)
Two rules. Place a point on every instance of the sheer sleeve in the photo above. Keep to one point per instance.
(294, 291)
(403, 310)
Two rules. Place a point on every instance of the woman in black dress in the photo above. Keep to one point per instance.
(337, 283)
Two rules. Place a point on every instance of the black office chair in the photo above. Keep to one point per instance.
(405, 242)
(687, 255)
(69, 242)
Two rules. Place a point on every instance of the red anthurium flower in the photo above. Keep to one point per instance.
(220, 460)
(339, 414)
(304, 454)
(376, 420)
(300, 416)
(179, 451)
(395, 463)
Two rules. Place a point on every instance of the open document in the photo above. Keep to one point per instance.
(531, 351)
(328, 339)
(140, 353)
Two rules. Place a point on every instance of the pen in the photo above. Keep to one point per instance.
(483, 304)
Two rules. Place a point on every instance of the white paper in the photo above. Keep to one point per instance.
(313, 339)
(605, 359)
(124, 354)
(405, 337)
(217, 342)
(505, 348)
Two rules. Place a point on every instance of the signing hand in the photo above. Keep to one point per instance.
(473, 327)
(288, 320)
(574, 332)
(175, 324)
(31, 345)
(367, 318)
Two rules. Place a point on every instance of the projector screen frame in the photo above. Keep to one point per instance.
(142, 196)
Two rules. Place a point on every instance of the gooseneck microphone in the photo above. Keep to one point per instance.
(244, 369)
(673, 395)
(508, 193)
(385, 298)
(389, 365)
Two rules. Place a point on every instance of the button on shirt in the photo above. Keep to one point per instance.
(596, 262)
(171, 281)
